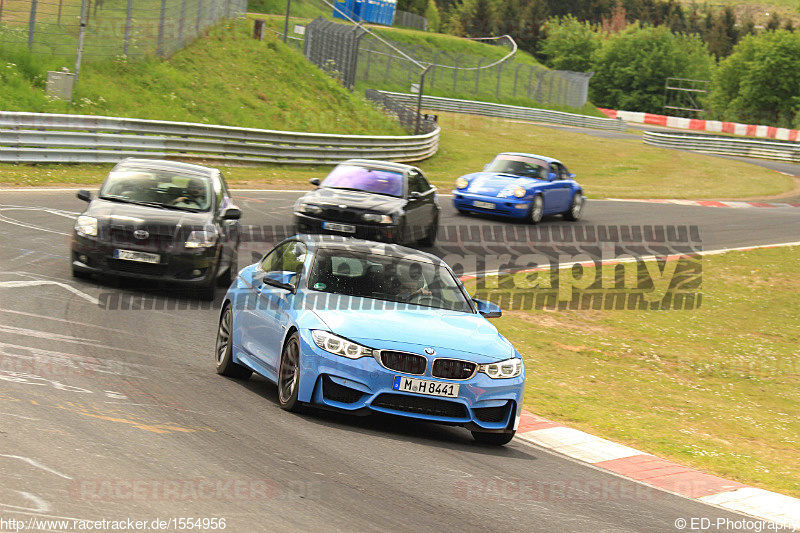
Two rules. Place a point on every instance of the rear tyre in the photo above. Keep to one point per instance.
(575, 208)
(494, 439)
(537, 209)
(224, 349)
(289, 374)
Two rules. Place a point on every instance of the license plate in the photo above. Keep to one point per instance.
(425, 386)
(483, 205)
(344, 228)
(141, 257)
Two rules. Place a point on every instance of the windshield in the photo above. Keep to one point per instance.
(519, 166)
(161, 188)
(383, 277)
(365, 179)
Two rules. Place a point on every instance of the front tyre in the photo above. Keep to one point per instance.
(494, 439)
(575, 208)
(537, 209)
(289, 374)
(224, 349)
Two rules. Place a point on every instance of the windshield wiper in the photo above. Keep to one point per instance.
(117, 198)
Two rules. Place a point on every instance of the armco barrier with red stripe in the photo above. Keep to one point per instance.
(716, 126)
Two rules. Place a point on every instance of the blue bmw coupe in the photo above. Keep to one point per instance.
(522, 186)
(362, 326)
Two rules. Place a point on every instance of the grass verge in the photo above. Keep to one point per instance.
(716, 388)
(607, 168)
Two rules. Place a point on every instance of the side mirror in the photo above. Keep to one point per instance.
(282, 280)
(488, 309)
(232, 213)
(552, 176)
(571, 175)
(314, 181)
(85, 195)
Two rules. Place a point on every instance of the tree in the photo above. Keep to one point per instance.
(774, 22)
(632, 66)
(570, 44)
(760, 81)
(723, 34)
(432, 14)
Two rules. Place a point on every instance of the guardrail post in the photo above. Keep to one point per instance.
(32, 24)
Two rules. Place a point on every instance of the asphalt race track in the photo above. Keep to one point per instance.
(113, 414)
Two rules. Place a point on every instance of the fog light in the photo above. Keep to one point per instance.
(196, 272)
(83, 259)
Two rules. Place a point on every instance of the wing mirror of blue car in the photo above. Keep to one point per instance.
(571, 175)
(232, 213)
(552, 176)
(488, 309)
(85, 195)
(314, 181)
(282, 280)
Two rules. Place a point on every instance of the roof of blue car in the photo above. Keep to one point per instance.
(535, 156)
(339, 242)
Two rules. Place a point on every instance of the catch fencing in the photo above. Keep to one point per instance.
(712, 144)
(51, 138)
(130, 28)
(410, 20)
(488, 109)
(353, 56)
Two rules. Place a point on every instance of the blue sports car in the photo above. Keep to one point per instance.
(525, 186)
(362, 326)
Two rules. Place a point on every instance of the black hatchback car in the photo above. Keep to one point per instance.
(159, 220)
(375, 200)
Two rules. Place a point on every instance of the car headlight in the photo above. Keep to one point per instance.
(519, 192)
(309, 209)
(375, 217)
(339, 346)
(461, 183)
(510, 368)
(86, 226)
(201, 239)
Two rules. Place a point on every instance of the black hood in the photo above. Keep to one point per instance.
(327, 196)
(163, 221)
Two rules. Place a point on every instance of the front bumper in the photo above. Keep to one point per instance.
(510, 207)
(362, 385)
(371, 232)
(90, 256)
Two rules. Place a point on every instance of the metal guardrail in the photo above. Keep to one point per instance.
(714, 144)
(53, 138)
(490, 109)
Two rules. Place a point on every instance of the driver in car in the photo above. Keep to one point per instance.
(413, 285)
(195, 196)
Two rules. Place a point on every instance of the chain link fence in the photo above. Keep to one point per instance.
(113, 27)
(410, 20)
(381, 65)
(466, 76)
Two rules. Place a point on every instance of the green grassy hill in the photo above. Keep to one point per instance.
(226, 78)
